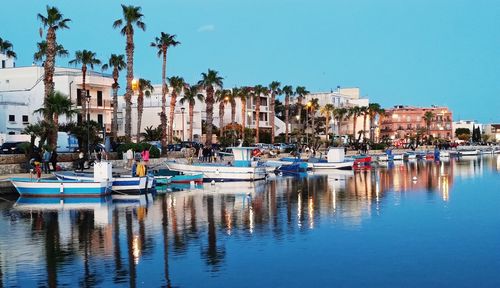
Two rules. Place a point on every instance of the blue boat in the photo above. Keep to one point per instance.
(60, 188)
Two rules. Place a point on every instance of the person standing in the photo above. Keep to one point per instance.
(130, 158)
(46, 160)
(53, 160)
(145, 156)
(81, 161)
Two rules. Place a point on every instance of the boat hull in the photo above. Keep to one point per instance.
(58, 188)
(128, 185)
(221, 173)
(187, 179)
(331, 165)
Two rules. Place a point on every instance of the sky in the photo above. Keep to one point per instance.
(412, 52)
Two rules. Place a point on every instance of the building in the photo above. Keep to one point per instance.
(466, 124)
(493, 132)
(22, 92)
(402, 122)
(343, 98)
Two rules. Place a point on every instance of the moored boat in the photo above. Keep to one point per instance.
(335, 159)
(123, 184)
(187, 178)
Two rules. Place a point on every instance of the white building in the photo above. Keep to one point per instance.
(493, 131)
(466, 124)
(22, 92)
(342, 98)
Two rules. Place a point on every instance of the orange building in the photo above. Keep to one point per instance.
(401, 122)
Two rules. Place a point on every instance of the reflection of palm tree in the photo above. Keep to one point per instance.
(164, 225)
(130, 236)
(51, 248)
(119, 272)
(213, 256)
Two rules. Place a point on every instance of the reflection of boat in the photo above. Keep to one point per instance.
(56, 203)
(187, 178)
(240, 170)
(126, 200)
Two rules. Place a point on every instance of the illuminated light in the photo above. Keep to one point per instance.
(135, 84)
(310, 206)
(252, 222)
(136, 248)
(299, 209)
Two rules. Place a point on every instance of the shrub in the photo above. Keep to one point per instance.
(154, 152)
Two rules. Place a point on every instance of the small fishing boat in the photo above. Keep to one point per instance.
(288, 164)
(360, 160)
(99, 185)
(384, 157)
(335, 159)
(242, 169)
(468, 153)
(187, 178)
(122, 184)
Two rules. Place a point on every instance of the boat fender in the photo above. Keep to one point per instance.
(61, 188)
(414, 178)
(213, 182)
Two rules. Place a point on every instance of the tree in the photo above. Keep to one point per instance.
(232, 95)
(244, 95)
(364, 112)
(313, 105)
(85, 57)
(274, 89)
(152, 134)
(177, 83)
(6, 48)
(210, 81)
(462, 131)
(162, 44)
(191, 94)
(428, 116)
(56, 105)
(288, 91)
(118, 64)
(53, 21)
(354, 112)
(258, 90)
(327, 111)
(34, 130)
(131, 16)
(340, 114)
(301, 92)
(374, 110)
(222, 96)
(145, 89)
(39, 55)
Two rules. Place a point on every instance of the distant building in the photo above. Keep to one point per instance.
(343, 98)
(22, 92)
(466, 124)
(401, 122)
(493, 131)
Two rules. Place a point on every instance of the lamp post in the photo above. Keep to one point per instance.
(182, 110)
(309, 104)
(87, 97)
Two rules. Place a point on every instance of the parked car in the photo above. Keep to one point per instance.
(13, 147)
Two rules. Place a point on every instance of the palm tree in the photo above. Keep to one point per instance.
(300, 91)
(222, 96)
(210, 81)
(40, 54)
(177, 84)
(162, 43)
(363, 110)
(288, 91)
(258, 90)
(354, 112)
(340, 114)
(57, 104)
(118, 64)
(232, 95)
(274, 87)
(131, 16)
(6, 48)
(244, 95)
(428, 116)
(34, 130)
(145, 89)
(53, 21)
(373, 110)
(313, 105)
(327, 111)
(190, 96)
(85, 57)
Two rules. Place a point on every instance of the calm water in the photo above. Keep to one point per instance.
(368, 228)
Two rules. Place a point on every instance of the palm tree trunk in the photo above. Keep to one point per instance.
(140, 108)
(287, 120)
(312, 120)
(49, 65)
(221, 118)
(339, 125)
(173, 100)
(364, 125)
(271, 106)
(327, 122)
(257, 118)
(243, 118)
(163, 115)
(354, 126)
(191, 117)
(128, 93)
(53, 135)
(233, 111)
(372, 126)
(114, 126)
(210, 115)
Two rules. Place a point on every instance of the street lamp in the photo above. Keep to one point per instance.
(309, 104)
(182, 110)
(87, 97)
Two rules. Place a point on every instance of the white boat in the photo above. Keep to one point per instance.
(335, 159)
(242, 169)
(444, 154)
(469, 152)
(397, 156)
(410, 156)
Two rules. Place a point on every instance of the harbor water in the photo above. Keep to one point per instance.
(403, 224)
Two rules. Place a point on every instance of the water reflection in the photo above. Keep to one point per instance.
(121, 239)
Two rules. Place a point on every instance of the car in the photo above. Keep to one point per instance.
(174, 147)
(14, 147)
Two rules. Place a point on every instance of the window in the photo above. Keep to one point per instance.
(12, 118)
(25, 119)
(80, 97)
(99, 119)
(99, 98)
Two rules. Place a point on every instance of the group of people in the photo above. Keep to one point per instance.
(41, 161)
(138, 161)
(207, 154)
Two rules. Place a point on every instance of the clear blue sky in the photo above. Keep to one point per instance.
(414, 52)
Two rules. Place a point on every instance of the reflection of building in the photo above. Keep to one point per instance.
(401, 122)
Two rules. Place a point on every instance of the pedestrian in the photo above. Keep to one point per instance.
(53, 160)
(81, 160)
(200, 154)
(46, 160)
(130, 157)
(145, 155)
(138, 156)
